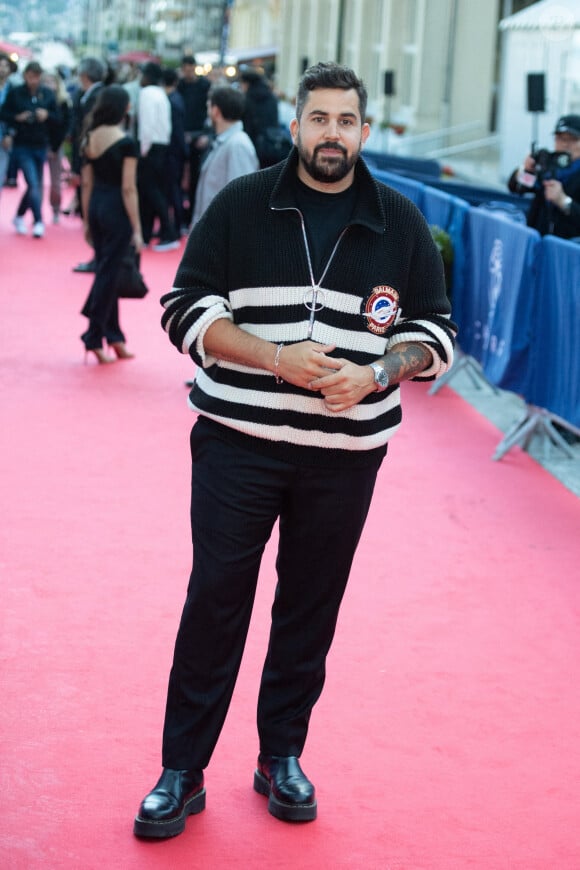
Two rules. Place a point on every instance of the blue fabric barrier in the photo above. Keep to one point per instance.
(437, 207)
(457, 229)
(407, 186)
(494, 313)
(450, 213)
(515, 295)
(400, 163)
(477, 195)
(554, 381)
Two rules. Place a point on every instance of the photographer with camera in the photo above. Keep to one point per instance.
(554, 179)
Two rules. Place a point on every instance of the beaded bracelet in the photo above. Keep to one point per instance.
(279, 380)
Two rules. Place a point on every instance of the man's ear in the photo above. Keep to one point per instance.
(294, 126)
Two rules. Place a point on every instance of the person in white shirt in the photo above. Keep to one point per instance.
(154, 134)
(232, 153)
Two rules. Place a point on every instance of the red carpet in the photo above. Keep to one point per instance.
(448, 736)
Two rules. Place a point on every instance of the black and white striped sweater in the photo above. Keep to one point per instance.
(247, 260)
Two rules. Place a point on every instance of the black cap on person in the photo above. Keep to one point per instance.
(568, 124)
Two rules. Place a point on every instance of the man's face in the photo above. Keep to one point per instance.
(188, 72)
(4, 69)
(32, 80)
(329, 138)
(568, 142)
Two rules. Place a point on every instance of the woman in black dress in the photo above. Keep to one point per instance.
(111, 215)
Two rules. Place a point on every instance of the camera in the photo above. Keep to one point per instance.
(549, 162)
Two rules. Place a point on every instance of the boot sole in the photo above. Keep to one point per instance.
(161, 830)
(280, 810)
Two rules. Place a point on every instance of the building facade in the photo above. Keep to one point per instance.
(432, 67)
(428, 64)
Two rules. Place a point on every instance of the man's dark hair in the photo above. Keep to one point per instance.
(152, 73)
(33, 67)
(250, 76)
(229, 101)
(330, 75)
(170, 77)
(93, 68)
(188, 59)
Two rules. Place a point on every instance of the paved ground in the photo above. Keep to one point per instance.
(503, 409)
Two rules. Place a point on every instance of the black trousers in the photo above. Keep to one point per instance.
(152, 186)
(111, 234)
(175, 192)
(237, 496)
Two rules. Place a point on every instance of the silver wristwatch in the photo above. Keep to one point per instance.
(567, 205)
(381, 376)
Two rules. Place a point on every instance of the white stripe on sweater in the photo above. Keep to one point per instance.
(304, 437)
(283, 401)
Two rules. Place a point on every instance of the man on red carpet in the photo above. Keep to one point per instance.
(28, 110)
(306, 294)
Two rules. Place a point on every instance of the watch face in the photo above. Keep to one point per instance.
(381, 377)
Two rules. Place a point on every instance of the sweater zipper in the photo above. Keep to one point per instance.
(314, 306)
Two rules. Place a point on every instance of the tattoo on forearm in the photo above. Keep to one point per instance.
(407, 360)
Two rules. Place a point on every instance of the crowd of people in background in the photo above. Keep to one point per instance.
(183, 137)
(44, 114)
(142, 151)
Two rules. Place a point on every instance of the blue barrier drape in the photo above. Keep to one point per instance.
(402, 165)
(437, 206)
(450, 213)
(407, 186)
(495, 320)
(554, 381)
(516, 297)
(457, 230)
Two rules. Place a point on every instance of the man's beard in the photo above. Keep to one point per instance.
(323, 169)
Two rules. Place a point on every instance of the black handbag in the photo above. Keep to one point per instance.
(129, 283)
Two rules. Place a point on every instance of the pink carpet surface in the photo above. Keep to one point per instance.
(448, 734)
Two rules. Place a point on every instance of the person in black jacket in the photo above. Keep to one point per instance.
(58, 128)
(555, 209)
(306, 294)
(91, 76)
(194, 89)
(29, 109)
(178, 151)
(260, 112)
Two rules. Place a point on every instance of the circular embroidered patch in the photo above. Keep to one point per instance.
(380, 308)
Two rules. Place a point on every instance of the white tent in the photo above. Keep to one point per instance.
(544, 38)
(53, 54)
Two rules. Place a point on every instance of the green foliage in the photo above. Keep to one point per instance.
(443, 242)
(445, 245)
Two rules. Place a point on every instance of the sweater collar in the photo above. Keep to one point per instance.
(368, 210)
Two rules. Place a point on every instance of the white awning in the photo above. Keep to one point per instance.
(546, 15)
(236, 56)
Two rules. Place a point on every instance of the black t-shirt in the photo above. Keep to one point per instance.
(325, 216)
(194, 95)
